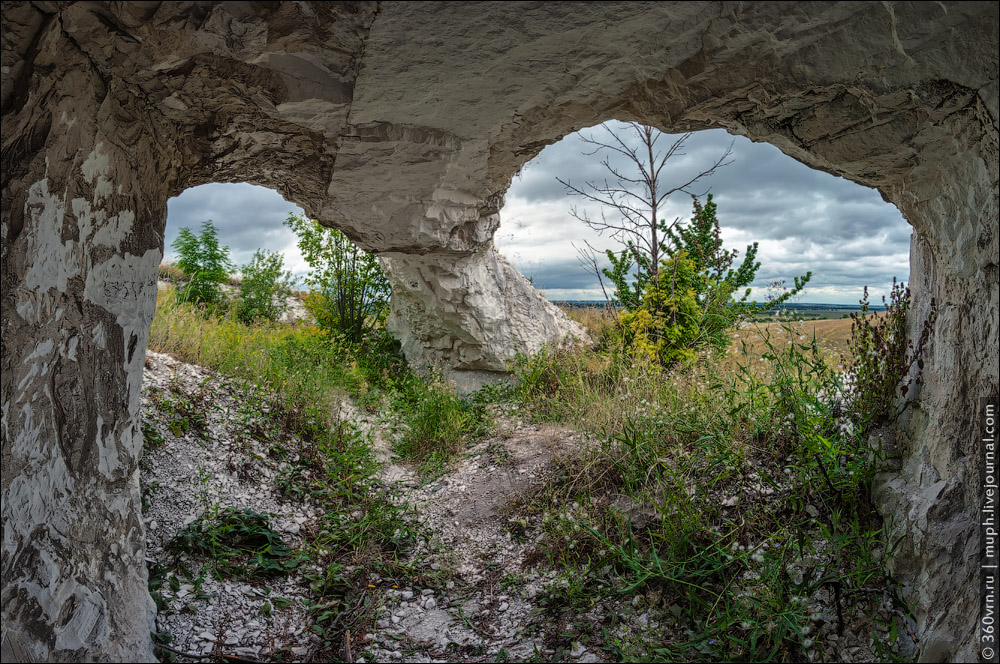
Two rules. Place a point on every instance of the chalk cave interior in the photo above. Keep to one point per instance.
(403, 127)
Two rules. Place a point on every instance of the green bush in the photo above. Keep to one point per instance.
(350, 293)
(690, 301)
(205, 264)
(264, 288)
(668, 323)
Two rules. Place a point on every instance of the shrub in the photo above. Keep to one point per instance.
(691, 300)
(668, 323)
(264, 288)
(205, 264)
(350, 295)
(880, 371)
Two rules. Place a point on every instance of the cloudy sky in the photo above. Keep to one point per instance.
(803, 219)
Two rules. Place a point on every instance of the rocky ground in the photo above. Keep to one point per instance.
(487, 600)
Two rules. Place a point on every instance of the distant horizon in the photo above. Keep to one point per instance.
(788, 305)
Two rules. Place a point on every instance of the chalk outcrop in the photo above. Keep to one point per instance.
(403, 124)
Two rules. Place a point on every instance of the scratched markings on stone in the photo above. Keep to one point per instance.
(123, 290)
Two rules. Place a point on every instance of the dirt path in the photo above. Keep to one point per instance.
(483, 608)
(472, 593)
(487, 610)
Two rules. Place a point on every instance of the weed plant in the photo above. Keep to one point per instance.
(883, 356)
(292, 380)
(438, 425)
(236, 543)
(732, 497)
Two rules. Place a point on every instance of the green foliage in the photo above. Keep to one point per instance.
(734, 498)
(237, 543)
(151, 438)
(264, 288)
(350, 295)
(183, 412)
(204, 262)
(883, 357)
(436, 424)
(667, 324)
(690, 300)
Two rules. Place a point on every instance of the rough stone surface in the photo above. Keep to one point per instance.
(469, 313)
(403, 124)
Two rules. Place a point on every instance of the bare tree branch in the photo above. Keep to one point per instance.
(589, 261)
(636, 198)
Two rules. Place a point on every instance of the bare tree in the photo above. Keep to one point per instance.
(635, 195)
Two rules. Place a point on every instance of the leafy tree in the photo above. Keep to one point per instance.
(204, 262)
(350, 293)
(721, 290)
(264, 288)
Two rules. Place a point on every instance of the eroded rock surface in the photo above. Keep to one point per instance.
(403, 124)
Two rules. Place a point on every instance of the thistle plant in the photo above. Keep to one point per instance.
(881, 370)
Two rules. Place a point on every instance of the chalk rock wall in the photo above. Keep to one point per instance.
(82, 227)
(403, 124)
(470, 312)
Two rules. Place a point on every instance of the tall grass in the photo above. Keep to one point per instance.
(295, 362)
(306, 369)
(735, 490)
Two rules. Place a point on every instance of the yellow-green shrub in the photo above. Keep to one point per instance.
(666, 327)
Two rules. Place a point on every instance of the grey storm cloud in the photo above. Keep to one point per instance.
(247, 217)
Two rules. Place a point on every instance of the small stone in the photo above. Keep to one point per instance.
(207, 636)
(431, 603)
(503, 607)
(426, 591)
(407, 595)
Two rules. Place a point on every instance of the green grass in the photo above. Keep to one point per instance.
(292, 380)
(726, 495)
(302, 365)
(730, 491)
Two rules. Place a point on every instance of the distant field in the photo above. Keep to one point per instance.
(797, 311)
(833, 334)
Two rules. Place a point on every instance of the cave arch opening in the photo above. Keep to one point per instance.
(803, 219)
(247, 217)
